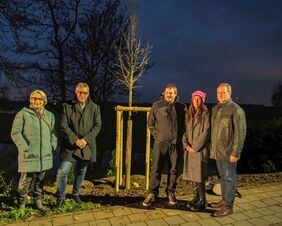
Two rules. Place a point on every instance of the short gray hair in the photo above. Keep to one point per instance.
(82, 85)
(41, 93)
(227, 85)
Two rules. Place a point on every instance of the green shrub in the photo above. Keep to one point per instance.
(263, 145)
(71, 175)
(111, 171)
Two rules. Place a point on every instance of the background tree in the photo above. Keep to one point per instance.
(91, 54)
(64, 42)
(277, 96)
(57, 21)
(132, 62)
(39, 53)
(14, 17)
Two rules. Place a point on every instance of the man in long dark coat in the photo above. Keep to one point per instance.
(80, 125)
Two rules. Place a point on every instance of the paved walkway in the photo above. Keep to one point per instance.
(260, 205)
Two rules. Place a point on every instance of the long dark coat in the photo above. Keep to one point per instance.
(79, 123)
(196, 136)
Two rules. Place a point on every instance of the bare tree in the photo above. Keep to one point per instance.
(65, 42)
(39, 54)
(132, 62)
(91, 51)
(15, 16)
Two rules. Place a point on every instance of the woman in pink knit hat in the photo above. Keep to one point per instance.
(195, 143)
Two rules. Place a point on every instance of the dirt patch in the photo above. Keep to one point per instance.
(103, 190)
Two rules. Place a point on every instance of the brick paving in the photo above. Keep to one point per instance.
(260, 205)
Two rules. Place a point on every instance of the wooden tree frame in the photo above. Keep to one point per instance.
(119, 148)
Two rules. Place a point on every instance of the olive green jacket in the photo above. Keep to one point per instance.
(35, 139)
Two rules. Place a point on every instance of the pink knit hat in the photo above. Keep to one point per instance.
(200, 94)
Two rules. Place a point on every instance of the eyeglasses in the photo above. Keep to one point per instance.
(36, 98)
(81, 93)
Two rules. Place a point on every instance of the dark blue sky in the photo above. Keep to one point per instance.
(200, 43)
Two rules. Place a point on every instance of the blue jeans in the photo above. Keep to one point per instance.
(62, 176)
(227, 173)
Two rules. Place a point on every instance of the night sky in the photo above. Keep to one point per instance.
(200, 43)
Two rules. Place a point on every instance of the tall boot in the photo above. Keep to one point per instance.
(39, 204)
(59, 204)
(195, 196)
(201, 204)
(21, 202)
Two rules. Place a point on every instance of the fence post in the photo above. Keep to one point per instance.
(121, 151)
(118, 149)
(148, 149)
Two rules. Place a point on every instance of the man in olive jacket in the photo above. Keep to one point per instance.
(80, 125)
(228, 132)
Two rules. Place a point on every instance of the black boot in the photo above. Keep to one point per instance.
(202, 203)
(195, 197)
(60, 203)
(39, 204)
(21, 202)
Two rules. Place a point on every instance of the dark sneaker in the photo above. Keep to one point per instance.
(77, 199)
(200, 205)
(172, 199)
(151, 198)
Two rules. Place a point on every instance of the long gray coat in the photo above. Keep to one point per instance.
(35, 140)
(79, 123)
(196, 136)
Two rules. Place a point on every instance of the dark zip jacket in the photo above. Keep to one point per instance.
(166, 121)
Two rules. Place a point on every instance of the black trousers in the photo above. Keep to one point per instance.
(163, 152)
(25, 183)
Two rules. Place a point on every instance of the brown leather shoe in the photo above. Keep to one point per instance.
(224, 211)
(220, 204)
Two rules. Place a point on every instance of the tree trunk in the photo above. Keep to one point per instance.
(62, 75)
(129, 139)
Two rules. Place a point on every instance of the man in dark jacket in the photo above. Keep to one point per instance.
(80, 125)
(228, 132)
(166, 123)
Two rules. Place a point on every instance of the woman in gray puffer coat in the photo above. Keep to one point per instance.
(195, 142)
(33, 134)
